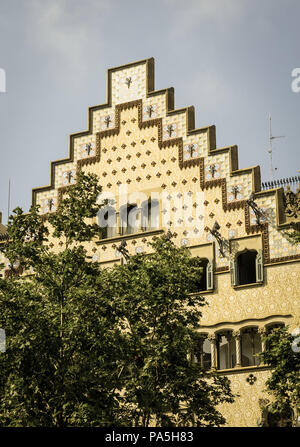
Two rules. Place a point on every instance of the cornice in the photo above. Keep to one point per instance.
(248, 321)
(242, 369)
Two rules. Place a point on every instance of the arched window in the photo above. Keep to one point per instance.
(284, 419)
(271, 327)
(226, 350)
(251, 345)
(203, 280)
(206, 278)
(202, 352)
(247, 268)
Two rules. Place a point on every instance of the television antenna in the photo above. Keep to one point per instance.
(271, 138)
(8, 200)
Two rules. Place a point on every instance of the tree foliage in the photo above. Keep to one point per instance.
(282, 355)
(152, 294)
(293, 236)
(92, 347)
(59, 332)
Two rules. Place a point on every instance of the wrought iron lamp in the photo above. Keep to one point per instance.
(123, 250)
(221, 241)
(253, 205)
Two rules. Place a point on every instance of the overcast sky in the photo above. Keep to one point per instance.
(231, 59)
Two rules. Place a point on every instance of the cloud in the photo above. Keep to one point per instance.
(209, 90)
(191, 13)
(64, 31)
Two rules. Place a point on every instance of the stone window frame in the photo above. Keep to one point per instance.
(237, 330)
(259, 268)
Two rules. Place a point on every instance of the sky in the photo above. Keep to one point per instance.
(232, 59)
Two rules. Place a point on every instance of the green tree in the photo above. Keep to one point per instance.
(62, 340)
(294, 236)
(283, 356)
(160, 316)
(91, 347)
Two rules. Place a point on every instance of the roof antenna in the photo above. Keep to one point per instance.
(8, 202)
(271, 138)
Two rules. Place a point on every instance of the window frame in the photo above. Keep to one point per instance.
(234, 268)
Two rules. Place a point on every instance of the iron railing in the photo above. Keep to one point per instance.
(292, 182)
(4, 237)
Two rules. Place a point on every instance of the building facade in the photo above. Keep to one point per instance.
(160, 174)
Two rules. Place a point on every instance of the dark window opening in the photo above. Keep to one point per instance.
(251, 346)
(201, 282)
(271, 328)
(107, 222)
(226, 350)
(129, 215)
(202, 353)
(150, 215)
(246, 263)
(284, 419)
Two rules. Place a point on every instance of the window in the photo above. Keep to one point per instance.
(133, 219)
(247, 268)
(270, 328)
(203, 280)
(226, 350)
(206, 278)
(202, 352)
(284, 419)
(150, 215)
(251, 345)
(129, 219)
(107, 221)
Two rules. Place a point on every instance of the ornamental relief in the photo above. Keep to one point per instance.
(87, 150)
(292, 203)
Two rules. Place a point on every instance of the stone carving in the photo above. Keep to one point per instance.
(251, 379)
(88, 149)
(292, 202)
(128, 81)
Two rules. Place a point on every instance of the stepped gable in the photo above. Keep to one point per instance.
(137, 138)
